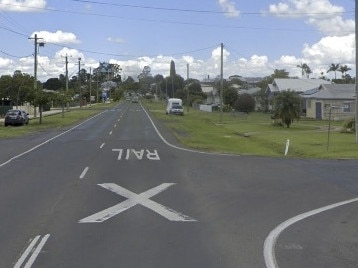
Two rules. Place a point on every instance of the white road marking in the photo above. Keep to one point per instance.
(270, 241)
(41, 144)
(181, 148)
(102, 145)
(83, 174)
(134, 199)
(138, 154)
(32, 252)
(110, 133)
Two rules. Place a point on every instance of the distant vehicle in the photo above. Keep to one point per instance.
(177, 109)
(16, 117)
(135, 99)
(174, 102)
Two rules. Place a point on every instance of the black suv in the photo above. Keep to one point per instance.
(16, 117)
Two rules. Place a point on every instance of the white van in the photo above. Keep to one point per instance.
(174, 106)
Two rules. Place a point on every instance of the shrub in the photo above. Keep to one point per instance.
(349, 126)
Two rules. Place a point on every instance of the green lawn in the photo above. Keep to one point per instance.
(57, 121)
(227, 133)
(255, 134)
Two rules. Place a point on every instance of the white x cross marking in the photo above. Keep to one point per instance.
(134, 199)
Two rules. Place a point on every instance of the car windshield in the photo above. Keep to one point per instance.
(14, 112)
(177, 107)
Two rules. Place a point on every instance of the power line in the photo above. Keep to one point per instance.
(155, 8)
(203, 11)
(10, 55)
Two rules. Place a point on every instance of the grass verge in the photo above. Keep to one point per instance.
(55, 121)
(255, 134)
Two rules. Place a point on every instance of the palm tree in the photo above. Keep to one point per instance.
(287, 106)
(334, 68)
(302, 68)
(344, 69)
(305, 69)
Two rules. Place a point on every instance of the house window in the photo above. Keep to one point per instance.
(346, 107)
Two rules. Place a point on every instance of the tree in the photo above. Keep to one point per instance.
(172, 76)
(53, 84)
(306, 70)
(333, 68)
(145, 79)
(230, 95)
(344, 69)
(280, 74)
(287, 106)
(245, 103)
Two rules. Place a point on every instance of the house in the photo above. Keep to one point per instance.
(294, 84)
(335, 99)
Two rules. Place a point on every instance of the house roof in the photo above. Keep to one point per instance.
(298, 85)
(334, 91)
(251, 91)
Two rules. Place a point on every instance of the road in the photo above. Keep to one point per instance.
(118, 191)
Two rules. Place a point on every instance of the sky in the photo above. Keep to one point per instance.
(258, 36)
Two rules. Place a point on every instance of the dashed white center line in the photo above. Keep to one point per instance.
(83, 174)
(110, 133)
(102, 145)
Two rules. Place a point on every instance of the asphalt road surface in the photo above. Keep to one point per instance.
(117, 191)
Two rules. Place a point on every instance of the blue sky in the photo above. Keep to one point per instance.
(258, 36)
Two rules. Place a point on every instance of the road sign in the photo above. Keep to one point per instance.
(134, 199)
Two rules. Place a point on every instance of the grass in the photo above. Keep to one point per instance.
(56, 121)
(228, 133)
(255, 134)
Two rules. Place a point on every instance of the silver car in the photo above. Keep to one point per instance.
(16, 117)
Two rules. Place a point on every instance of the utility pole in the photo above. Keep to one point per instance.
(187, 87)
(222, 81)
(90, 86)
(79, 80)
(66, 78)
(35, 73)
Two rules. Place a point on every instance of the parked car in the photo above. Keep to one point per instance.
(16, 117)
(176, 109)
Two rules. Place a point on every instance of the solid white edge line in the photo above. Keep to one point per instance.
(83, 174)
(55, 137)
(177, 147)
(270, 241)
(37, 251)
(26, 252)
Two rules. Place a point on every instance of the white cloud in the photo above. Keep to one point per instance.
(4, 63)
(301, 8)
(58, 37)
(22, 6)
(228, 7)
(332, 49)
(115, 40)
(322, 14)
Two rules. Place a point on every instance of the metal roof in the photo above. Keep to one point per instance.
(335, 91)
(298, 85)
